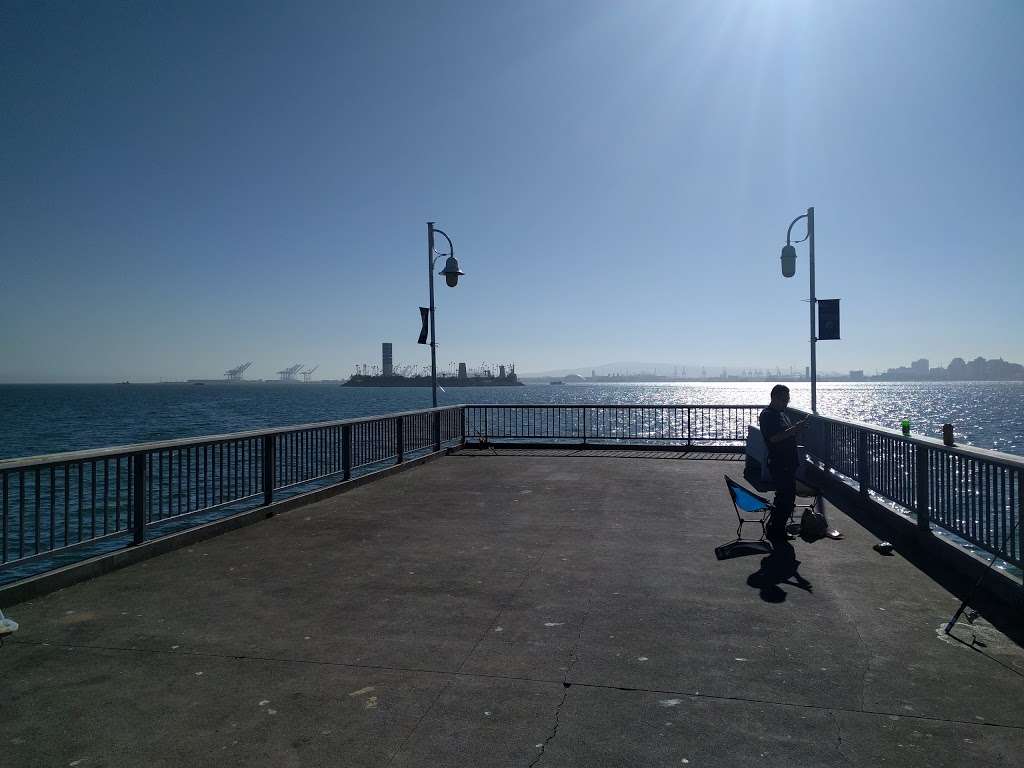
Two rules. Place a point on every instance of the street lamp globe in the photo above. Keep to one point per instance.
(788, 261)
(451, 271)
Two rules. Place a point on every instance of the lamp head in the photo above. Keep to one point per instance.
(451, 271)
(788, 261)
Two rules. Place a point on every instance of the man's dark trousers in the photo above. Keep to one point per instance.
(784, 480)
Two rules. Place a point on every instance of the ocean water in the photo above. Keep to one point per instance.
(38, 419)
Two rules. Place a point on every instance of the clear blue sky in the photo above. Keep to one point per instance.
(187, 186)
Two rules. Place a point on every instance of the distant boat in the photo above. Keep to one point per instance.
(556, 382)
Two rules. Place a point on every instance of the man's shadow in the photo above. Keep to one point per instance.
(780, 567)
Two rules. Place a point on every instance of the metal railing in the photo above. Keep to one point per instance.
(51, 504)
(974, 493)
(54, 503)
(684, 425)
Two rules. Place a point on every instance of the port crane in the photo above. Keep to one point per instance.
(288, 374)
(306, 374)
(235, 374)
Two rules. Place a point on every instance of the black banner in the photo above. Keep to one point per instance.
(828, 319)
(425, 318)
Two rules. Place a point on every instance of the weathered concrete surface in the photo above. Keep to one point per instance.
(508, 610)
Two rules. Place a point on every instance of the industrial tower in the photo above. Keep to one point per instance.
(288, 374)
(235, 374)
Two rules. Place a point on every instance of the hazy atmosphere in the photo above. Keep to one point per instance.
(189, 186)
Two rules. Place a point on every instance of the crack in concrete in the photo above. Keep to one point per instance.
(524, 679)
(839, 737)
(415, 727)
(458, 672)
(554, 731)
(864, 680)
(567, 684)
(511, 598)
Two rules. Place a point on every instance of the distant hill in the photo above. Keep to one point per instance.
(631, 366)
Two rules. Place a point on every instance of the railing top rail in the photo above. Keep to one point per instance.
(968, 451)
(610, 405)
(123, 450)
(997, 457)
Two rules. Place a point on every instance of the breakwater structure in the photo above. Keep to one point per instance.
(485, 377)
(537, 583)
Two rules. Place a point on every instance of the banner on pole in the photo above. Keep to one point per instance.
(425, 319)
(828, 319)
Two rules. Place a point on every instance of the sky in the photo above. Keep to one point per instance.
(188, 186)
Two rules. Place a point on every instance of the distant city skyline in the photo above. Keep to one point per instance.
(960, 368)
(189, 187)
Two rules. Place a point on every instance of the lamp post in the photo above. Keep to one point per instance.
(451, 273)
(788, 270)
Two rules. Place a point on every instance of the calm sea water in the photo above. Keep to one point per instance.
(41, 419)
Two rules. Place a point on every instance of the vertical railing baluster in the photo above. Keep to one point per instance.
(67, 476)
(36, 518)
(863, 463)
(921, 462)
(106, 493)
(268, 469)
(346, 451)
(21, 514)
(5, 479)
(206, 474)
(81, 499)
(138, 511)
(53, 506)
(1015, 515)
(117, 494)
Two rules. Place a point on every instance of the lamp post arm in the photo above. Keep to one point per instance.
(792, 223)
(451, 245)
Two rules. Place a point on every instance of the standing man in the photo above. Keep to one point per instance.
(780, 435)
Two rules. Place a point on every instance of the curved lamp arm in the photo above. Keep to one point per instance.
(788, 231)
(451, 246)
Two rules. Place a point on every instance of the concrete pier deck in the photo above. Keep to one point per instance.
(529, 608)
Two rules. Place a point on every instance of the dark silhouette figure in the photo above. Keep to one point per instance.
(780, 567)
(780, 434)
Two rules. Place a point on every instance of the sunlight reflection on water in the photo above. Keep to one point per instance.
(46, 419)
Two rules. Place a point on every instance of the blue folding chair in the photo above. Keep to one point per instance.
(750, 508)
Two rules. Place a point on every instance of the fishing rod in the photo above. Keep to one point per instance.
(970, 596)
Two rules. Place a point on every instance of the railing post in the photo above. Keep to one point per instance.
(437, 430)
(463, 426)
(139, 497)
(923, 517)
(689, 436)
(584, 425)
(863, 465)
(346, 451)
(399, 440)
(268, 469)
